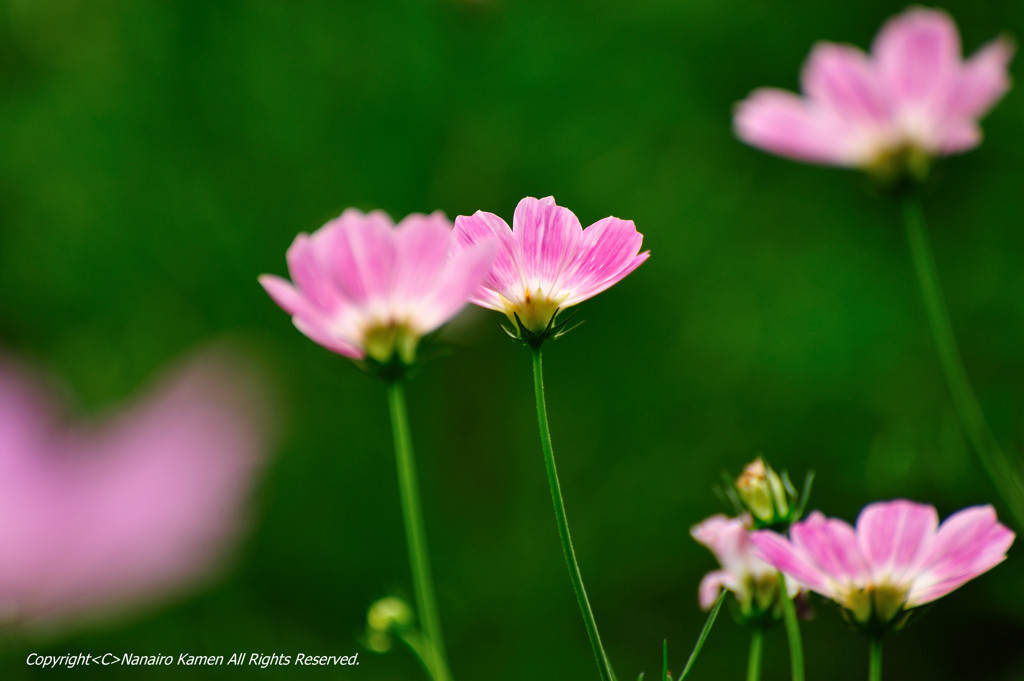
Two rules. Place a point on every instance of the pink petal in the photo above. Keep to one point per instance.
(504, 277)
(609, 251)
(969, 543)
(832, 544)
(283, 293)
(319, 331)
(140, 506)
(983, 80)
(460, 277)
(421, 249)
(794, 563)
(312, 282)
(958, 135)
(712, 584)
(359, 256)
(784, 124)
(918, 57)
(840, 78)
(548, 237)
(726, 538)
(892, 536)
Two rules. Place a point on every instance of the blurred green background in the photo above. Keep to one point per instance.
(156, 157)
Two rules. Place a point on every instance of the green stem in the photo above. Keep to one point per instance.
(415, 536)
(1005, 473)
(603, 665)
(754, 661)
(710, 622)
(796, 646)
(875, 660)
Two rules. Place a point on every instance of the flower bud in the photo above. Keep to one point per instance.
(387, 615)
(769, 498)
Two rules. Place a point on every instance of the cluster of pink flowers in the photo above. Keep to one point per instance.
(362, 288)
(896, 558)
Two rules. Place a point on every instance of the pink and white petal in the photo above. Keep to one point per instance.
(969, 543)
(780, 553)
(892, 536)
(712, 584)
(782, 123)
(548, 237)
(958, 135)
(320, 332)
(841, 79)
(983, 80)
(504, 277)
(313, 282)
(832, 544)
(459, 278)
(608, 252)
(917, 55)
(727, 539)
(362, 256)
(421, 250)
(282, 292)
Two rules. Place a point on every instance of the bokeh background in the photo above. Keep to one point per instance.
(156, 157)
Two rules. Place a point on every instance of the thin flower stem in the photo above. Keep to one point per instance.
(875, 659)
(1005, 472)
(712, 616)
(796, 646)
(415, 536)
(603, 665)
(754, 661)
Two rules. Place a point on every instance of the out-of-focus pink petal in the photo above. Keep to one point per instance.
(892, 535)
(779, 552)
(459, 278)
(918, 57)
(969, 543)
(840, 78)
(421, 250)
(504, 275)
(123, 513)
(783, 123)
(983, 80)
(958, 135)
(319, 332)
(284, 294)
(548, 237)
(726, 538)
(832, 544)
(309, 277)
(608, 252)
(712, 584)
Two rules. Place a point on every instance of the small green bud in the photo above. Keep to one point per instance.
(387, 615)
(768, 497)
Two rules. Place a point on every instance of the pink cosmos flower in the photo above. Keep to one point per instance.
(365, 287)
(547, 261)
(753, 581)
(912, 97)
(897, 558)
(106, 516)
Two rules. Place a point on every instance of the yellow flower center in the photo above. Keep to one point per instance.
(535, 312)
(382, 341)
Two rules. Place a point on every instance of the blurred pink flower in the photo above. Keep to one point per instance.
(752, 580)
(365, 287)
(547, 261)
(104, 517)
(913, 96)
(897, 558)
